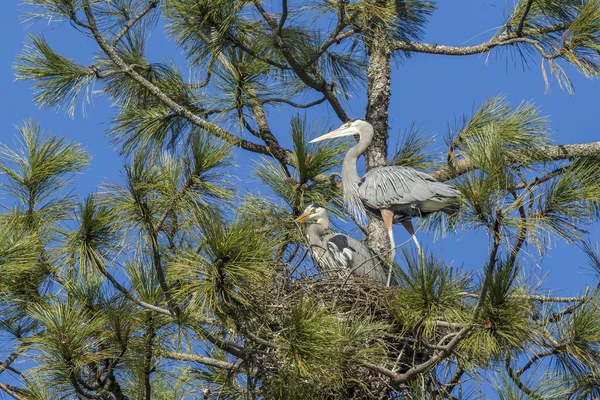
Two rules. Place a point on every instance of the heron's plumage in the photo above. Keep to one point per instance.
(339, 254)
(354, 256)
(405, 190)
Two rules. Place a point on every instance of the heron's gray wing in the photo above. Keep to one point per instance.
(340, 241)
(401, 185)
(365, 263)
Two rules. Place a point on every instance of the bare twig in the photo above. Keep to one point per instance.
(130, 23)
(293, 104)
(551, 175)
(316, 82)
(534, 358)
(519, 30)
(518, 382)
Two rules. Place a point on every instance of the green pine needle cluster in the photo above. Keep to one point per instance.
(58, 80)
(429, 291)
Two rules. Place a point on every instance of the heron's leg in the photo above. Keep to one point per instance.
(388, 220)
(411, 230)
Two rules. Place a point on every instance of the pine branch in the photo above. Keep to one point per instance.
(336, 36)
(257, 108)
(551, 175)
(317, 82)
(502, 40)
(519, 30)
(151, 5)
(535, 297)
(158, 267)
(126, 292)
(160, 95)
(293, 104)
(521, 235)
(284, 14)
(515, 378)
(230, 347)
(258, 56)
(444, 351)
(14, 392)
(536, 357)
(533, 154)
(149, 337)
(211, 362)
(11, 358)
(455, 379)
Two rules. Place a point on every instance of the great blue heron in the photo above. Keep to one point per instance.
(396, 193)
(338, 252)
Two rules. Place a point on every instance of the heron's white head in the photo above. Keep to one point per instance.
(313, 212)
(352, 127)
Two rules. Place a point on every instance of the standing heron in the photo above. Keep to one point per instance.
(335, 251)
(396, 193)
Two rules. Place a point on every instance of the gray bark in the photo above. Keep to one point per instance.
(536, 154)
(378, 101)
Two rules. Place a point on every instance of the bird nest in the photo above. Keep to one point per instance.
(356, 296)
(352, 293)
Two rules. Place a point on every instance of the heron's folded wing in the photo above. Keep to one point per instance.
(401, 185)
(340, 241)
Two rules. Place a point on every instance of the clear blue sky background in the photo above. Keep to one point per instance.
(431, 90)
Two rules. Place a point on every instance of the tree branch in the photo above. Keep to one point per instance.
(504, 39)
(335, 37)
(535, 154)
(519, 30)
(126, 292)
(401, 379)
(11, 358)
(545, 178)
(13, 391)
(455, 379)
(149, 336)
(534, 358)
(317, 82)
(264, 133)
(293, 104)
(518, 382)
(284, 14)
(211, 362)
(258, 56)
(160, 95)
(130, 23)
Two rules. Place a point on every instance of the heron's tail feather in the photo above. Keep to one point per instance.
(445, 190)
(452, 208)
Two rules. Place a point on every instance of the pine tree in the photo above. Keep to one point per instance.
(172, 284)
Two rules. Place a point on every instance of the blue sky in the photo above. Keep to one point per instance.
(431, 90)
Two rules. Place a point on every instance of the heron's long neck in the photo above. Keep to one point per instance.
(324, 222)
(315, 232)
(350, 178)
(349, 170)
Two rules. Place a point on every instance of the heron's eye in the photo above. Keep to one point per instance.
(349, 124)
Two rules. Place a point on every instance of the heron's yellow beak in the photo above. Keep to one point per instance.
(302, 217)
(339, 132)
